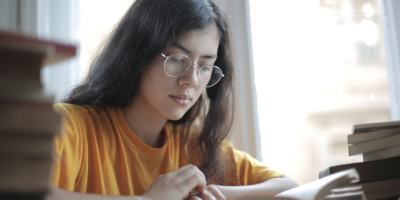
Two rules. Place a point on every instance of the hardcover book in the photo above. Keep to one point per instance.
(369, 171)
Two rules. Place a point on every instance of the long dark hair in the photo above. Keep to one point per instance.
(148, 28)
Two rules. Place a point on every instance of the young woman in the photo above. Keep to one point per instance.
(151, 118)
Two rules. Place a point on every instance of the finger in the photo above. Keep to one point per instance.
(196, 182)
(215, 192)
(185, 169)
(193, 198)
(188, 172)
(177, 174)
(181, 169)
(207, 196)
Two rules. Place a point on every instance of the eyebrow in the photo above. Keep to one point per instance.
(181, 47)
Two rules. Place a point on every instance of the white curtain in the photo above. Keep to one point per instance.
(391, 21)
(245, 134)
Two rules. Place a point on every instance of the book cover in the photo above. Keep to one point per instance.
(369, 171)
(366, 127)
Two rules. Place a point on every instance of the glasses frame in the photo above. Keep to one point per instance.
(187, 69)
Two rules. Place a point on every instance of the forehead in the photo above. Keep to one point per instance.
(201, 41)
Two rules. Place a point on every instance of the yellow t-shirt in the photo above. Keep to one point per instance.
(97, 152)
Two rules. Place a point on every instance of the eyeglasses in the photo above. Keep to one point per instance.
(176, 65)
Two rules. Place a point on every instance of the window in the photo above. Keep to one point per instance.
(83, 22)
(98, 18)
(319, 68)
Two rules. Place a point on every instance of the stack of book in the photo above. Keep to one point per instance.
(27, 120)
(379, 144)
(375, 141)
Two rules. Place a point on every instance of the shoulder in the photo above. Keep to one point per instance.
(71, 109)
(238, 156)
(79, 118)
(83, 112)
(248, 170)
(80, 122)
(228, 148)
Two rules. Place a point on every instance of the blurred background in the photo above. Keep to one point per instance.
(306, 70)
(319, 68)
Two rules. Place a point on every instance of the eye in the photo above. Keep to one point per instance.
(206, 68)
(176, 60)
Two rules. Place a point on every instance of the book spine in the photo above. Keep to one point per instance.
(26, 145)
(31, 117)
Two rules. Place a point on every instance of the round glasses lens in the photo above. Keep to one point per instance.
(177, 65)
(209, 75)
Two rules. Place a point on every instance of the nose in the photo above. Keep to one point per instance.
(190, 77)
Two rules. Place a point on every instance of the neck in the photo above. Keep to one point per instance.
(147, 126)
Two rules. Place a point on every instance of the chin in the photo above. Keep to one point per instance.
(175, 116)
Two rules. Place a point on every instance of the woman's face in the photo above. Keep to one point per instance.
(170, 97)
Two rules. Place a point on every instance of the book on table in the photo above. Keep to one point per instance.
(372, 131)
(375, 141)
(374, 145)
(28, 122)
(383, 189)
(340, 185)
(372, 135)
(379, 143)
(374, 126)
(369, 171)
(378, 179)
(382, 154)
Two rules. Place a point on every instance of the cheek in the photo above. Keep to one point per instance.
(198, 91)
(155, 79)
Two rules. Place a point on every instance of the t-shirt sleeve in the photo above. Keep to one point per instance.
(67, 150)
(246, 169)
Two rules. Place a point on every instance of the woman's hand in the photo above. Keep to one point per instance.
(210, 193)
(176, 185)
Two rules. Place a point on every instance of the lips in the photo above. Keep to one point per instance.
(181, 99)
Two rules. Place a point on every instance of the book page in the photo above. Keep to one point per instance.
(320, 188)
